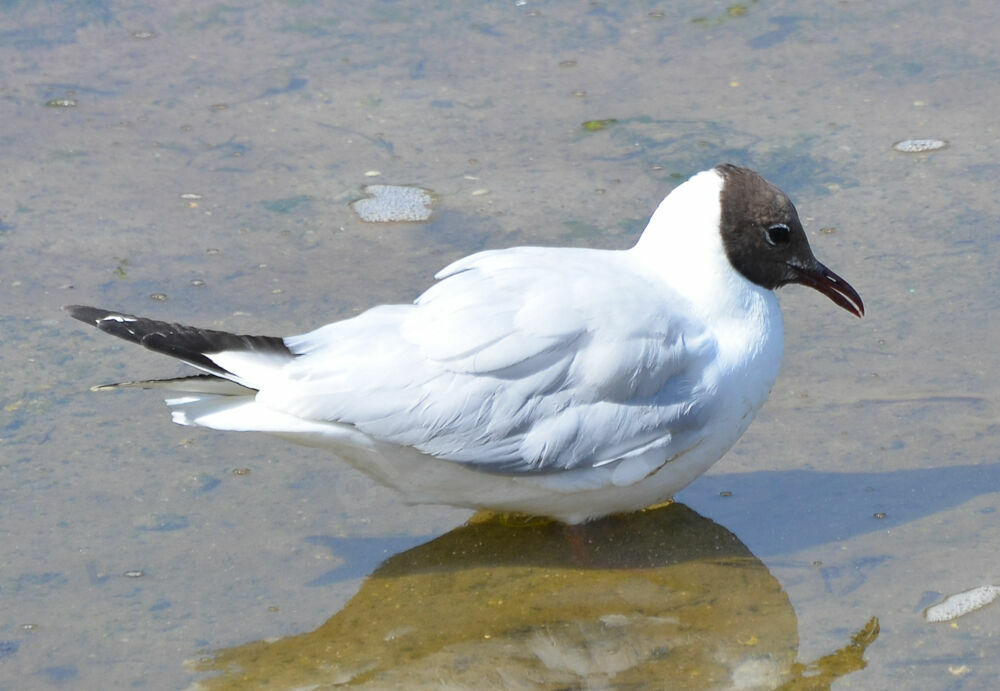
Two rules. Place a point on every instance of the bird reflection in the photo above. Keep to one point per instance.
(663, 594)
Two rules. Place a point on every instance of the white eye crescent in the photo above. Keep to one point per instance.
(777, 234)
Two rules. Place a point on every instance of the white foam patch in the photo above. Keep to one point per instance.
(962, 603)
(393, 203)
(917, 146)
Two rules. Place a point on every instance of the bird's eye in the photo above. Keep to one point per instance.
(778, 234)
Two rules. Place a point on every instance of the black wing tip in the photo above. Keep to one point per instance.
(83, 312)
(118, 324)
(92, 315)
(192, 344)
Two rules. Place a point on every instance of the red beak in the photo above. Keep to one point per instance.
(830, 284)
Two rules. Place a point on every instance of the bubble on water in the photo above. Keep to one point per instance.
(916, 146)
(388, 203)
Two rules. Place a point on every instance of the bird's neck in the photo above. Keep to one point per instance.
(682, 246)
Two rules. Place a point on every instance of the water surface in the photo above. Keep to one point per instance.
(196, 162)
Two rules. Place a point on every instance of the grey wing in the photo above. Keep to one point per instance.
(517, 362)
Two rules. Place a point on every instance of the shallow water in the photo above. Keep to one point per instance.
(197, 163)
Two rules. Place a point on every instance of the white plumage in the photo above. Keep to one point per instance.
(571, 383)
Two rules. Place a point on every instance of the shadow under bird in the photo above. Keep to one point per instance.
(563, 382)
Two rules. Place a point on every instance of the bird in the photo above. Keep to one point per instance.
(560, 382)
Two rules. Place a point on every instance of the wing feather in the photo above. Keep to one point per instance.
(520, 361)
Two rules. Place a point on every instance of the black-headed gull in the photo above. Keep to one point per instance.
(570, 383)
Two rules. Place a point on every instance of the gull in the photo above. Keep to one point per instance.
(570, 383)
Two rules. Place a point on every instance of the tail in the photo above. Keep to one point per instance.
(236, 366)
(217, 352)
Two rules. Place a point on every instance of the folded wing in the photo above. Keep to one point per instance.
(517, 361)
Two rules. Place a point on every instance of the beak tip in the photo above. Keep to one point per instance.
(833, 286)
